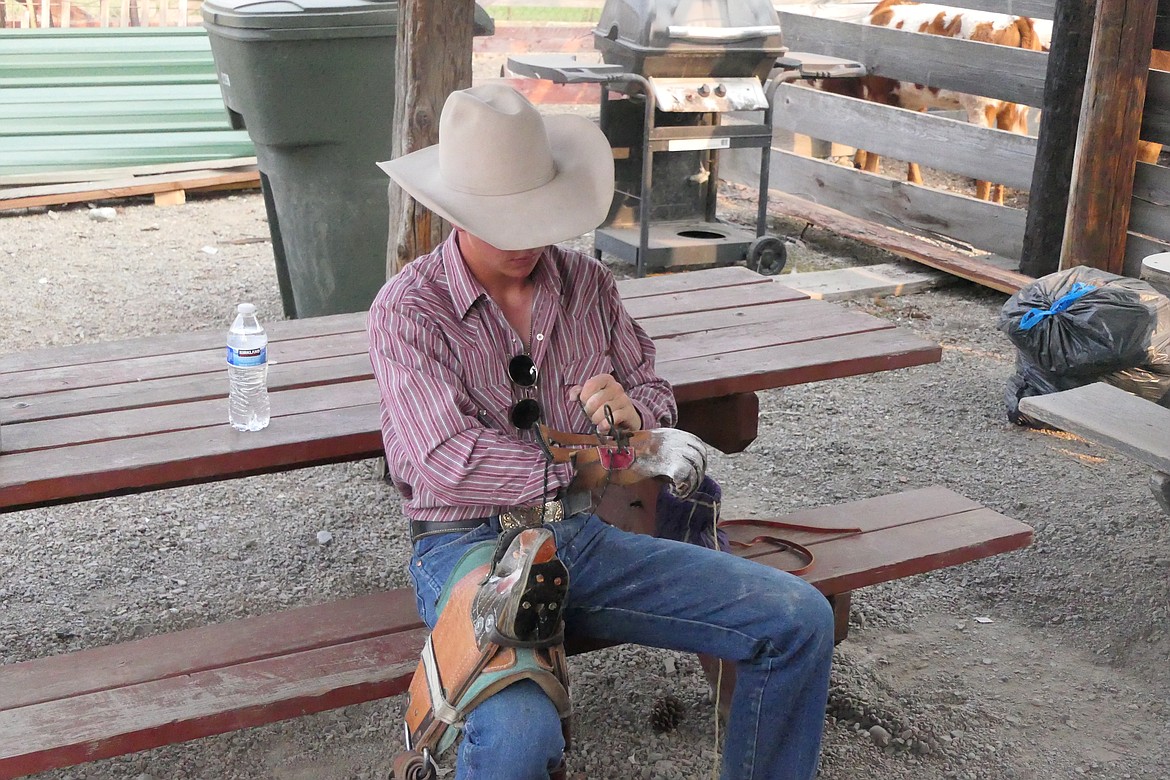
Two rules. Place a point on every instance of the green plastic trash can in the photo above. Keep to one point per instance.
(312, 81)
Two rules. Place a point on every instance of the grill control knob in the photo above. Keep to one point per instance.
(704, 90)
(720, 90)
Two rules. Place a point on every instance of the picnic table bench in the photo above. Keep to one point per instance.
(1111, 416)
(106, 419)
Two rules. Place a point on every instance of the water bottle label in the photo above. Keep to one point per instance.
(243, 358)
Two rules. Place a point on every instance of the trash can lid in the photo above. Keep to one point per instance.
(286, 14)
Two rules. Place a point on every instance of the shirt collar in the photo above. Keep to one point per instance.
(466, 289)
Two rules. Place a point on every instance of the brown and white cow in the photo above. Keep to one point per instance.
(986, 27)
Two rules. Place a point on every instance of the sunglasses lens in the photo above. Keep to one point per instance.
(525, 413)
(522, 371)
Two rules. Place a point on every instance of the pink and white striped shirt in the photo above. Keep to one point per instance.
(440, 349)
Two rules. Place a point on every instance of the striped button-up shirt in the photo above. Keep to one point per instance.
(440, 349)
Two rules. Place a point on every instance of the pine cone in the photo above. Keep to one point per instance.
(666, 714)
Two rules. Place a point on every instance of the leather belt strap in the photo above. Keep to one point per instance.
(421, 529)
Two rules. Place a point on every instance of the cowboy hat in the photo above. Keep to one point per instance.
(506, 174)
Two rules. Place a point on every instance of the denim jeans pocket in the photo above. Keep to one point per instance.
(432, 562)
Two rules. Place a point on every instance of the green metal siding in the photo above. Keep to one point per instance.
(83, 98)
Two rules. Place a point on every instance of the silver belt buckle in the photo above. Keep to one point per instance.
(532, 516)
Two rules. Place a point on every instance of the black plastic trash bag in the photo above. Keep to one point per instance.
(1083, 325)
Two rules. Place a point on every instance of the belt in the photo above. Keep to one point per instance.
(421, 529)
(526, 516)
(549, 512)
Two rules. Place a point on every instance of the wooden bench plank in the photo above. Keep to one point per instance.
(869, 514)
(172, 343)
(207, 647)
(196, 387)
(790, 364)
(213, 679)
(136, 370)
(129, 423)
(707, 301)
(1109, 415)
(165, 460)
(806, 321)
(665, 284)
(176, 709)
(857, 561)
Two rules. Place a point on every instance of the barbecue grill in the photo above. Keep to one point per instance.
(670, 72)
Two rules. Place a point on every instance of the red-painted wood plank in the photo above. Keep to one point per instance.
(706, 301)
(171, 343)
(815, 320)
(869, 514)
(128, 423)
(196, 387)
(187, 457)
(175, 709)
(764, 315)
(207, 647)
(707, 279)
(214, 679)
(140, 369)
(853, 562)
(790, 364)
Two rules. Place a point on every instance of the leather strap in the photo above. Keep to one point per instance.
(787, 545)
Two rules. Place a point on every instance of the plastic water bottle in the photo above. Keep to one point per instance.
(247, 359)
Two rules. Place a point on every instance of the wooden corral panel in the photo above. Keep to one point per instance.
(933, 141)
(1000, 72)
(945, 144)
(1036, 9)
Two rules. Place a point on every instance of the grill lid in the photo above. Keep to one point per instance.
(690, 37)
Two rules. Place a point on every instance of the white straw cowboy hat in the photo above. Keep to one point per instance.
(506, 174)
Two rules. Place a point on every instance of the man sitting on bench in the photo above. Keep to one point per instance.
(498, 330)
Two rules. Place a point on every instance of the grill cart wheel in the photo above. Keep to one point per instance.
(768, 255)
(412, 765)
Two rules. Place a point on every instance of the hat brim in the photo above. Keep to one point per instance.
(575, 201)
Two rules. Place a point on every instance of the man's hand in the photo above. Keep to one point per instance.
(601, 391)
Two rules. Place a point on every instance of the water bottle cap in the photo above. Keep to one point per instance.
(246, 308)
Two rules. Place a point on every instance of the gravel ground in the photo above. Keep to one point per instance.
(1046, 663)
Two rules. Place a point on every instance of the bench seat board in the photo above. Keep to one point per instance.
(176, 709)
(257, 670)
(214, 679)
(1109, 415)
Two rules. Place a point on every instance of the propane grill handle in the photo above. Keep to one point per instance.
(720, 34)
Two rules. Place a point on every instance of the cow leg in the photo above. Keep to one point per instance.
(913, 173)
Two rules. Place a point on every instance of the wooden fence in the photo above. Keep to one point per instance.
(99, 13)
(937, 142)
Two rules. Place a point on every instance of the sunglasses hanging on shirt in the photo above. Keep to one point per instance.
(523, 372)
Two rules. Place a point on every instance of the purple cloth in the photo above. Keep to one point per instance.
(692, 519)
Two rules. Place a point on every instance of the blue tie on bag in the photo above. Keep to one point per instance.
(1034, 317)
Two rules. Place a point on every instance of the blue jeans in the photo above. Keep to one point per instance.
(627, 587)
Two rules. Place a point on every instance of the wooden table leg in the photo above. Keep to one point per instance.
(728, 423)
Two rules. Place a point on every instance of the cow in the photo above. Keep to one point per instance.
(1001, 29)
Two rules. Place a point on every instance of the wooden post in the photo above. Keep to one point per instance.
(1064, 88)
(1111, 118)
(434, 60)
